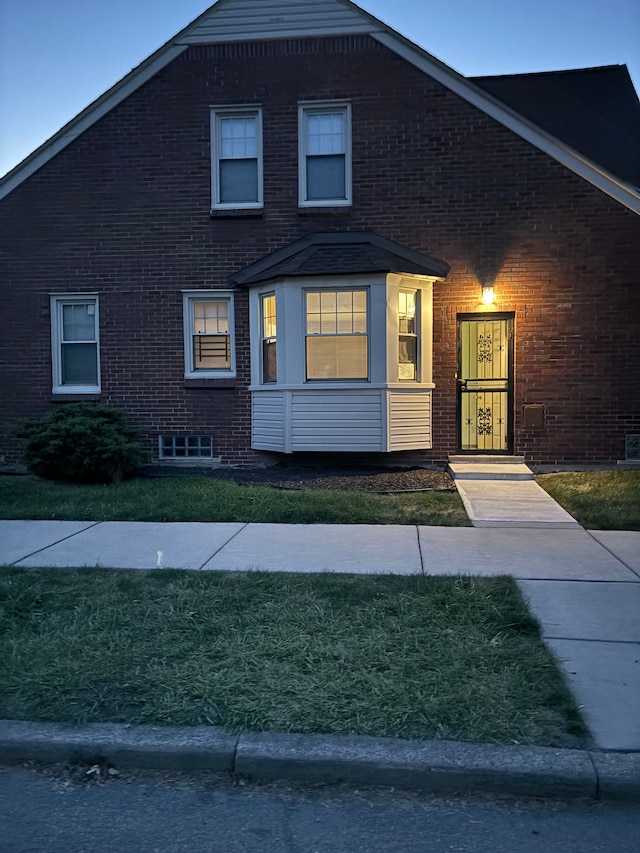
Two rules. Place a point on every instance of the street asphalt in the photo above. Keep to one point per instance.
(583, 587)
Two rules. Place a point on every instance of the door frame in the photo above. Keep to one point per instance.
(475, 316)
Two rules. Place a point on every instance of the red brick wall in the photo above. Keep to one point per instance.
(124, 212)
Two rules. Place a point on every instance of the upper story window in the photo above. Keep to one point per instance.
(236, 158)
(74, 344)
(337, 340)
(407, 334)
(324, 132)
(268, 330)
(208, 334)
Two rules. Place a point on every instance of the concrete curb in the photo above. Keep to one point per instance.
(427, 766)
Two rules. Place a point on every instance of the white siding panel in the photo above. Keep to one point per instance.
(353, 420)
(409, 420)
(268, 421)
(251, 20)
(337, 421)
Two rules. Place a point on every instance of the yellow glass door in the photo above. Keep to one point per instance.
(485, 384)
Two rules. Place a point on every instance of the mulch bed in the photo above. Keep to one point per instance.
(361, 479)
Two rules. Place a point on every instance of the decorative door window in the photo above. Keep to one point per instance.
(484, 384)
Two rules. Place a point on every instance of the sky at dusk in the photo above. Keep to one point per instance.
(56, 56)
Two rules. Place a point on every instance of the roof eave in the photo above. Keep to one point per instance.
(90, 115)
(98, 108)
(257, 280)
(269, 267)
(606, 182)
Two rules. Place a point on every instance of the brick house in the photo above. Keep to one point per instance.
(291, 231)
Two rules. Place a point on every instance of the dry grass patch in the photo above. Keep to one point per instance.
(599, 500)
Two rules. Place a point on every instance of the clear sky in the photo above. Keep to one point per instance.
(56, 56)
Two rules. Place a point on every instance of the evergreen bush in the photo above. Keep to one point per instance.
(82, 443)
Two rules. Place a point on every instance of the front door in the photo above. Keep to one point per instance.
(485, 383)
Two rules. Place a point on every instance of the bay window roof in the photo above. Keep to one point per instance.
(339, 253)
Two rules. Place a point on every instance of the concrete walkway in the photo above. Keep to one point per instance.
(583, 587)
(501, 492)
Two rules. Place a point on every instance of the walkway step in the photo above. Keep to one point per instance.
(490, 471)
(487, 459)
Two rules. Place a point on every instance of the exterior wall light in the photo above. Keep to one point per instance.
(488, 295)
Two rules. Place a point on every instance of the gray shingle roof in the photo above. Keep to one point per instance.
(594, 110)
(336, 253)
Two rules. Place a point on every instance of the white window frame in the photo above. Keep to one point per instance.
(57, 301)
(189, 297)
(264, 338)
(320, 108)
(217, 114)
(416, 334)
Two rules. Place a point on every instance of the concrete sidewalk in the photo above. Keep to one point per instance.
(584, 587)
(528, 553)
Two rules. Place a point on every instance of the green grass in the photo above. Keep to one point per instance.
(599, 500)
(207, 499)
(377, 655)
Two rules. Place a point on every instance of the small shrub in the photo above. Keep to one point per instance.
(81, 442)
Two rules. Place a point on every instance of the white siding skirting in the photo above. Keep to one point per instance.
(409, 420)
(351, 420)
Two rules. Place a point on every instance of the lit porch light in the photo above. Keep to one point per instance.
(488, 295)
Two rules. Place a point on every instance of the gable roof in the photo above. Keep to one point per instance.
(594, 110)
(339, 252)
(257, 20)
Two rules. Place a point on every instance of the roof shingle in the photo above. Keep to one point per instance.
(594, 110)
(336, 253)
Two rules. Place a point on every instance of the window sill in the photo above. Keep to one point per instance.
(210, 383)
(74, 398)
(344, 384)
(238, 213)
(331, 212)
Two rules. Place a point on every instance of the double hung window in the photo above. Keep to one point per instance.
(236, 158)
(208, 334)
(74, 342)
(408, 335)
(268, 328)
(325, 154)
(337, 341)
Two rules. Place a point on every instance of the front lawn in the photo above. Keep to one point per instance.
(599, 500)
(412, 657)
(208, 499)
